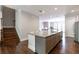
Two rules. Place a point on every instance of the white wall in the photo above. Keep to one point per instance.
(0, 29)
(69, 25)
(0, 24)
(0, 20)
(26, 23)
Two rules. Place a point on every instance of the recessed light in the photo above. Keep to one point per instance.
(72, 10)
(55, 8)
(42, 11)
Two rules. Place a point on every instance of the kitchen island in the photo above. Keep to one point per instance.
(43, 42)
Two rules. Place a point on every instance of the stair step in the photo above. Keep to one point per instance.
(10, 37)
(14, 35)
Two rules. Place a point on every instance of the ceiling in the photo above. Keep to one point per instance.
(48, 9)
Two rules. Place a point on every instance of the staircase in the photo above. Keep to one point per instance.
(10, 37)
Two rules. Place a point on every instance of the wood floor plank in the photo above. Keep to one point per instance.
(11, 46)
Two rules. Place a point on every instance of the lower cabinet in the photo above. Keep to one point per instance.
(52, 41)
(44, 45)
(31, 42)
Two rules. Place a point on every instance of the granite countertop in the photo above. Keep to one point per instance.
(42, 34)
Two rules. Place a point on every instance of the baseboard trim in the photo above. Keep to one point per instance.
(76, 41)
(23, 39)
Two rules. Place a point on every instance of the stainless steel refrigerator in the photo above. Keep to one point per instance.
(76, 30)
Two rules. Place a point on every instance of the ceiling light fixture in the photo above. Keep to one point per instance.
(55, 8)
(72, 10)
(42, 11)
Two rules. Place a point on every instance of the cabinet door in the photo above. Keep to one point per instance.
(48, 44)
(76, 31)
(51, 41)
(31, 42)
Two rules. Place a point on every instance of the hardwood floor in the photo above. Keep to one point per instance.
(21, 48)
(66, 46)
(12, 46)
